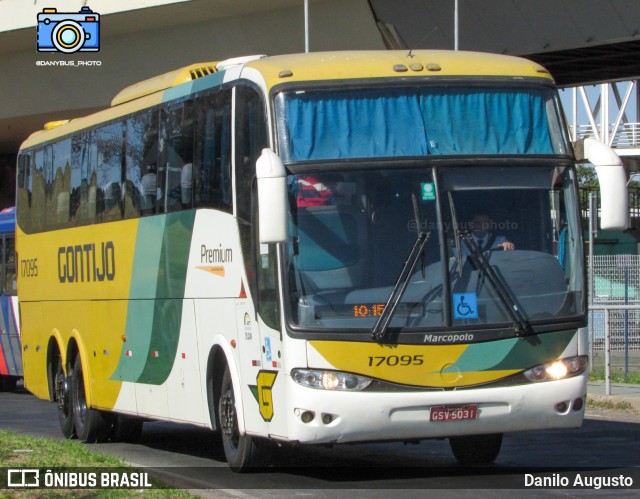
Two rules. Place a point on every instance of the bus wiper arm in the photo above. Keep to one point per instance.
(456, 235)
(379, 331)
(521, 326)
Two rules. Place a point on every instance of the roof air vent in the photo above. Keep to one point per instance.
(202, 71)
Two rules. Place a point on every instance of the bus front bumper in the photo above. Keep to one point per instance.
(322, 416)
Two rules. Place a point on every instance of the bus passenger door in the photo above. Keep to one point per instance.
(251, 367)
(271, 379)
(260, 346)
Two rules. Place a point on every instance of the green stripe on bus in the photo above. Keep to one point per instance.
(156, 295)
(514, 353)
(167, 317)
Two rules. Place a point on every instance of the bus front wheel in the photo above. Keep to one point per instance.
(241, 451)
(476, 449)
(91, 424)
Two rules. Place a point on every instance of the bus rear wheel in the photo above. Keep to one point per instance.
(476, 449)
(91, 424)
(8, 383)
(63, 399)
(241, 451)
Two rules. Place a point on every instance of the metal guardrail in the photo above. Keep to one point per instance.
(627, 136)
(634, 203)
(607, 335)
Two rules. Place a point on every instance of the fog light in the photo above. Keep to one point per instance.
(307, 416)
(327, 418)
(562, 407)
(578, 404)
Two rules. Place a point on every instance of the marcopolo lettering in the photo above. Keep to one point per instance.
(448, 338)
(90, 262)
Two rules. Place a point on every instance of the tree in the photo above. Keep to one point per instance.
(587, 178)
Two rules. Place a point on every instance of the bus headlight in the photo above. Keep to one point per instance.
(558, 369)
(329, 380)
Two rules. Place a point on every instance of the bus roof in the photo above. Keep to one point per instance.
(8, 220)
(314, 66)
(392, 63)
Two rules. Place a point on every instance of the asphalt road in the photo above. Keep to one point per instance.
(607, 445)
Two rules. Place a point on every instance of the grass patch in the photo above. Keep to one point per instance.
(617, 376)
(608, 405)
(22, 451)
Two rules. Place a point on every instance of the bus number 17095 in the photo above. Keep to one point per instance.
(396, 360)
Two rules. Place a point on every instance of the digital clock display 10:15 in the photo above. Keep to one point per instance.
(374, 310)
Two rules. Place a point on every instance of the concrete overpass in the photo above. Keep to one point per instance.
(578, 40)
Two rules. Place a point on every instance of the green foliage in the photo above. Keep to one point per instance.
(587, 177)
(617, 376)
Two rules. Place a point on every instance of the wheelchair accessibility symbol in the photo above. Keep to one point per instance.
(465, 306)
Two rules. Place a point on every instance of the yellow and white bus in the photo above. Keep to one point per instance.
(280, 248)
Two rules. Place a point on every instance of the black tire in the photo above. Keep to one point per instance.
(91, 424)
(476, 449)
(242, 452)
(61, 383)
(8, 383)
(126, 429)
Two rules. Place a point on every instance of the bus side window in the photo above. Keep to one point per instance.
(259, 259)
(211, 170)
(109, 164)
(38, 192)
(141, 164)
(10, 287)
(81, 166)
(24, 191)
(59, 186)
(175, 171)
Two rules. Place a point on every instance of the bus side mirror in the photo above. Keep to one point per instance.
(272, 198)
(614, 207)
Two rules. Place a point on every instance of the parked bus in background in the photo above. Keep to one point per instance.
(279, 248)
(10, 348)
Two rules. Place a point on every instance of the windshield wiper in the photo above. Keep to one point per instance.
(521, 326)
(379, 331)
(456, 234)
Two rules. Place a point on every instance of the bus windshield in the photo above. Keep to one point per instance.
(352, 232)
(419, 121)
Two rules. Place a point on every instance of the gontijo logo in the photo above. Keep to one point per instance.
(68, 32)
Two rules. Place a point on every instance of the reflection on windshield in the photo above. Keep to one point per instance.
(526, 228)
(352, 232)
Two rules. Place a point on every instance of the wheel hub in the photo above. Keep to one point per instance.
(228, 415)
(62, 392)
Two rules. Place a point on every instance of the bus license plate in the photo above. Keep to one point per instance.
(455, 413)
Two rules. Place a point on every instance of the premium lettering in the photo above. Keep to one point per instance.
(215, 255)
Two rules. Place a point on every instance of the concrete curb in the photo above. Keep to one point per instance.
(621, 393)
